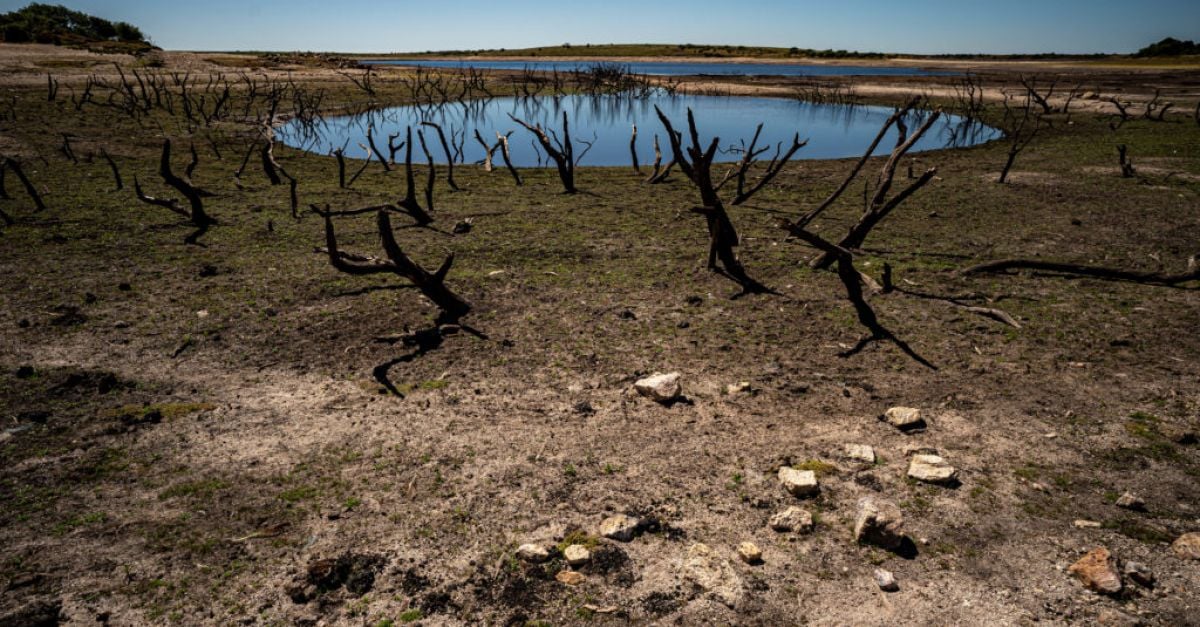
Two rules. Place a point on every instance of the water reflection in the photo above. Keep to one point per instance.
(833, 131)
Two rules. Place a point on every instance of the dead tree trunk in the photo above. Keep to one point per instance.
(432, 177)
(502, 141)
(488, 151)
(375, 149)
(409, 202)
(1127, 170)
(773, 168)
(340, 156)
(115, 172)
(633, 150)
(16, 168)
(446, 150)
(431, 284)
(562, 152)
(196, 214)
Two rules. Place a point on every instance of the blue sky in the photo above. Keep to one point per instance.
(916, 26)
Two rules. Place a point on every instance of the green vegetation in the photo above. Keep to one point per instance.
(56, 24)
(1169, 47)
(664, 50)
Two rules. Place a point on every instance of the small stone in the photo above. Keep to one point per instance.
(1130, 501)
(1097, 571)
(904, 418)
(860, 452)
(750, 553)
(619, 527)
(1086, 524)
(1187, 546)
(570, 577)
(879, 522)
(120, 324)
(800, 483)
(1139, 573)
(886, 580)
(792, 519)
(577, 555)
(660, 387)
(532, 553)
(715, 575)
(931, 469)
(741, 387)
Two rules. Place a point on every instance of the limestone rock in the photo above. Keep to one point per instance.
(577, 555)
(800, 483)
(886, 580)
(570, 577)
(532, 553)
(1187, 546)
(1140, 573)
(860, 453)
(619, 527)
(660, 387)
(1132, 502)
(931, 469)
(749, 552)
(792, 519)
(904, 418)
(879, 522)
(716, 576)
(1097, 570)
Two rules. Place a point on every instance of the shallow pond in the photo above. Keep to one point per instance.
(671, 68)
(832, 131)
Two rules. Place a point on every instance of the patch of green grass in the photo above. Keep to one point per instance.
(577, 536)
(76, 522)
(298, 493)
(411, 616)
(201, 489)
(168, 411)
(820, 468)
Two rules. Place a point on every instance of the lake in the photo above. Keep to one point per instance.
(832, 131)
(673, 68)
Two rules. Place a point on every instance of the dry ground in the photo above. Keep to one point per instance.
(189, 431)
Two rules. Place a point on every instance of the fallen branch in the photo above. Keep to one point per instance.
(1115, 274)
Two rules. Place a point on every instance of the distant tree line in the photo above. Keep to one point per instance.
(56, 24)
(1169, 47)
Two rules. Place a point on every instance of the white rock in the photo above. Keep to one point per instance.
(749, 552)
(800, 483)
(619, 527)
(886, 580)
(715, 575)
(1087, 524)
(660, 387)
(532, 553)
(931, 469)
(792, 519)
(1131, 501)
(860, 452)
(904, 417)
(577, 555)
(741, 387)
(879, 522)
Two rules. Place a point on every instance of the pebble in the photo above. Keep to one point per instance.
(931, 469)
(619, 527)
(879, 522)
(532, 553)
(792, 519)
(750, 553)
(860, 452)
(1086, 524)
(660, 387)
(577, 555)
(886, 580)
(1097, 571)
(904, 418)
(799, 483)
(570, 577)
(741, 387)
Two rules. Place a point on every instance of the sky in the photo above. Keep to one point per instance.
(912, 26)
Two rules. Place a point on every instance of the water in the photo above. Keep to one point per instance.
(832, 131)
(672, 68)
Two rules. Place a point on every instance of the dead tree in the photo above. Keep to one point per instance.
(1041, 99)
(633, 150)
(502, 141)
(1127, 170)
(749, 158)
(1021, 125)
(273, 164)
(378, 155)
(445, 149)
(365, 83)
(562, 152)
(488, 151)
(432, 177)
(15, 166)
(409, 202)
(195, 213)
(1122, 111)
(115, 172)
(340, 155)
(1113, 274)
(51, 88)
(431, 284)
(880, 205)
(723, 237)
(660, 173)
(268, 161)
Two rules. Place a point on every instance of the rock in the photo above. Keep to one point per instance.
(792, 519)
(1130, 501)
(860, 452)
(750, 553)
(1098, 571)
(1139, 573)
(879, 522)
(619, 527)
(931, 469)
(800, 483)
(715, 575)
(1114, 618)
(570, 577)
(741, 387)
(120, 324)
(904, 418)
(1187, 546)
(660, 387)
(532, 553)
(1086, 524)
(577, 555)
(886, 580)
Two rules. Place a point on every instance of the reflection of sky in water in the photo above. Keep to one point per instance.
(832, 131)
(668, 68)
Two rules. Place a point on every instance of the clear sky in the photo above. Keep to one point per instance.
(913, 26)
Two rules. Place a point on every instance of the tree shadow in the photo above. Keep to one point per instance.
(423, 342)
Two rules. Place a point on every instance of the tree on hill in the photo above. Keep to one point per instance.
(56, 24)
(1169, 47)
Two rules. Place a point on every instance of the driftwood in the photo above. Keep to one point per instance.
(431, 284)
(1114, 274)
